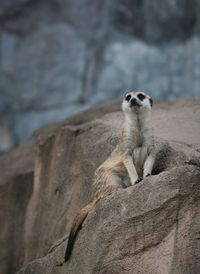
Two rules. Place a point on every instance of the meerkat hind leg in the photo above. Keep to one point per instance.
(114, 181)
(148, 165)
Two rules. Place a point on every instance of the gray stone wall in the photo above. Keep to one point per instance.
(58, 57)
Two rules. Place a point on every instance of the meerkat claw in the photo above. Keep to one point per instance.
(138, 180)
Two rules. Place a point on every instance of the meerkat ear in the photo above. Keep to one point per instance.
(151, 101)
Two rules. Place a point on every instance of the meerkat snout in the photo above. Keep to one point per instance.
(134, 102)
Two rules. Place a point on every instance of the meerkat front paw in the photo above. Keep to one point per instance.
(148, 174)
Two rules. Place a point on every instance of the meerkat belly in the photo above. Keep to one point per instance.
(139, 157)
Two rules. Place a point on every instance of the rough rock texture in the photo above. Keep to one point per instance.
(58, 57)
(151, 227)
(16, 185)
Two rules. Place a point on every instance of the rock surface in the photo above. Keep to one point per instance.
(151, 227)
(16, 185)
(59, 57)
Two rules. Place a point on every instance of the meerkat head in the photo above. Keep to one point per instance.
(136, 101)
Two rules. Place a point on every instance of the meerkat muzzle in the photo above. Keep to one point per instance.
(134, 103)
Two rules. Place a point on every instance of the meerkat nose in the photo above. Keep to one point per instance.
(134, 102)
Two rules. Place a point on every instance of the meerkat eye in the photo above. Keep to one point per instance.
(128, 97)
(141, 96)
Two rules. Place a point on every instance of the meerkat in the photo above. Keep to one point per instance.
(130, 162)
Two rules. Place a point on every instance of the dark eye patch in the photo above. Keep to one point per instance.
(128, 97)
(141, 96)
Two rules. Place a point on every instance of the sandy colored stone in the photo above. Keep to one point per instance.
(152, 227)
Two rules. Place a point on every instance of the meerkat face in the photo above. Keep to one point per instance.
(135, 101)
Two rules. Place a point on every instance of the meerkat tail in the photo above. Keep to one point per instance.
(79, 219)
(76, 225)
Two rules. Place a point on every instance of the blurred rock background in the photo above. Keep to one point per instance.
(58, 57)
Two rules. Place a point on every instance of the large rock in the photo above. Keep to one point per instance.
(152, 226)
(149, 228)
